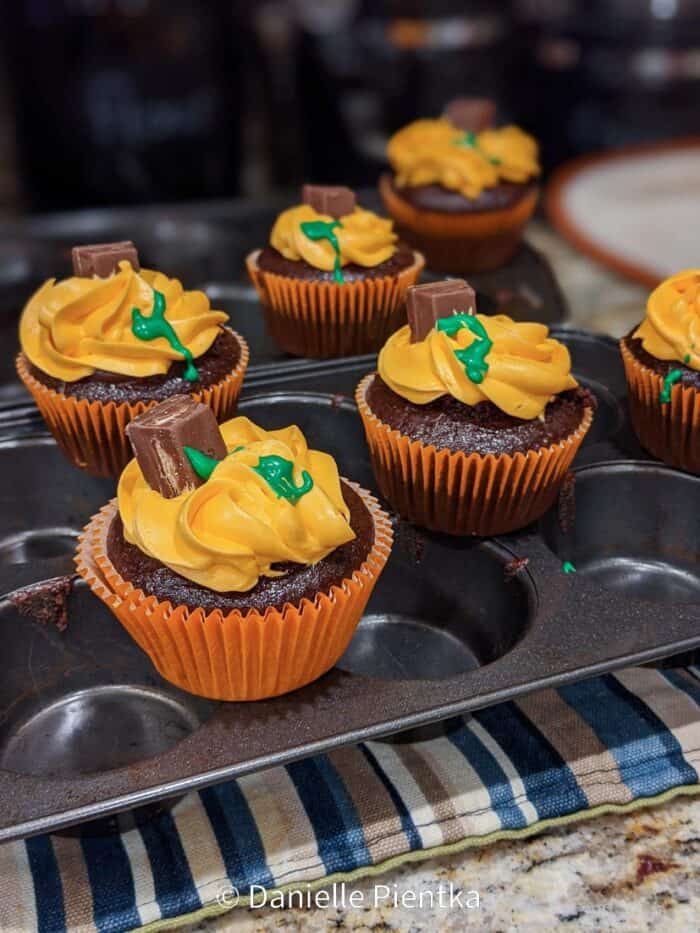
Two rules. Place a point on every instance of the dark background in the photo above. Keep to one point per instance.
(106, 102)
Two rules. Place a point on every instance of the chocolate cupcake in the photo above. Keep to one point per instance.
(662, 364)
(237, 558)
(112, 341)
(472, 421)
(333, 279)
(461, 191)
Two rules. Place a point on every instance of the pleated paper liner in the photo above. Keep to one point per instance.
(465, 494)
(237, 656)
(474, 241)
(93, 434)
(326, 319)
(671, 431)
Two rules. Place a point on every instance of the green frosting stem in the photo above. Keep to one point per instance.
(149, 328)
(202, 464)
(325, 230)
(469, 139)
(277, 472)
(670, 379)
(473, 357)
(568, 567)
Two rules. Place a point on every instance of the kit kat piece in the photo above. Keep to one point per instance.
(102, 259)
(329, 199)
(471, 114)
(426, 304)
(158, 438)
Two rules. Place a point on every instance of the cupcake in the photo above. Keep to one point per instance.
(333, 279)
(237, 558)
(460, 190)
(472, 421)
(662, 365)
(99, 348)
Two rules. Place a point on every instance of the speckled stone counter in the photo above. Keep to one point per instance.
(599, 300)
(626, 873)
(634, 872)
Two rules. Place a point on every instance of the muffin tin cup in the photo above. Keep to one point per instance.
(668, 431)
(325, 319)
(238, 656)
(633, 533)
(93, 434)
(465, 494)
(475, 241)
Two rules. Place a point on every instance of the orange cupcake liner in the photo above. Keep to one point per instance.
(238, 656)
(475, 241)
(465, 494)
(325, 319)
(670, 432)
(93, 434)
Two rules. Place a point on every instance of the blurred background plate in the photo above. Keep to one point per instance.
(633, 209)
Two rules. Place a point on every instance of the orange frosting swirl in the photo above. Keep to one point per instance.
(363, 237)
(671, 328)
(69, 329)
(429, 152)
(231, 530)
(526, 367)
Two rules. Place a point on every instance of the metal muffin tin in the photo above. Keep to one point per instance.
(452, 626)
(89, 730)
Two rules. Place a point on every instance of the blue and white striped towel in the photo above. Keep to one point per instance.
(601, 744)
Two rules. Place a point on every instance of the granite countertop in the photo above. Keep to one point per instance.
(632, 873)
(639, 871)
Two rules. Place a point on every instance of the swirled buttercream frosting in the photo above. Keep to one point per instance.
(241, 522)
(326, 243)
(671, 328)
(479, 358)
(71, 328)
(434, 152)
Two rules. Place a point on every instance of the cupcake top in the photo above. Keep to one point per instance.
(671, 329)
(267, 500)
(120, 319)
(458, 152)
(473, 357)
(329, 231)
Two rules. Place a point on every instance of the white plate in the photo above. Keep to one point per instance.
(636, 210)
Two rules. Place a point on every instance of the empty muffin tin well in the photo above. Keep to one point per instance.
(84, 701)
(465, 613)
(636, 532)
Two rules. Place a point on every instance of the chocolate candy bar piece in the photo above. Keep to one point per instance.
(103, 259)
(326, 199)
(158, 438)
(426, 304)
(471, 114)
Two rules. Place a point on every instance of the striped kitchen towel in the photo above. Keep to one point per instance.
(599, 746)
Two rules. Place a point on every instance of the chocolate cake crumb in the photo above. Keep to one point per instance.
(567, 503)
(513, 567)
(46, 601)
